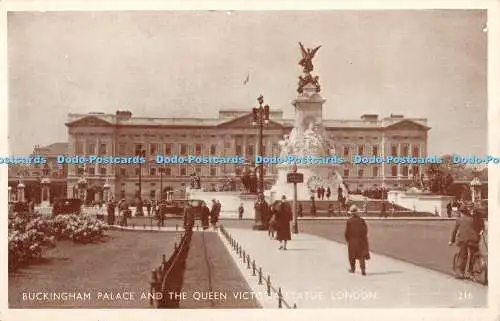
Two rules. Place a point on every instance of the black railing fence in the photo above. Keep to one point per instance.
(256, 271)
(166, 280)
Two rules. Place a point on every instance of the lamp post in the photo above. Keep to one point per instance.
(162, 170)
(139, 210)
(260, 118)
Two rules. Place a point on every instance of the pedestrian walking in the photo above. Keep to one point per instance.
(111, 212)
(449, 209)
(356, 236)
(300, 210)
(313, 206)
(240, 211)
(214, 213)
(328, 193)
(162, 213)
(124, 212)
(205, 216)
(283, 219)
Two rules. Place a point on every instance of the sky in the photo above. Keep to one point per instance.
(420, 63)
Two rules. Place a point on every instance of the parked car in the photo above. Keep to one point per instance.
(67, 206)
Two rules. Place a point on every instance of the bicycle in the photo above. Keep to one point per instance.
(479, 271)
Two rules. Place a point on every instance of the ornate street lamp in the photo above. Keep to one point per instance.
(260, 118)
(162, 171)
(139, 211)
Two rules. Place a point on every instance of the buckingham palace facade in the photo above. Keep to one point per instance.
(230, 134)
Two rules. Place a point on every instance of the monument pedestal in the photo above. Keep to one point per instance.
(315, 176)
(306, 141)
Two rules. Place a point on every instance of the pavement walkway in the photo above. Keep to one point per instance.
(313, 273)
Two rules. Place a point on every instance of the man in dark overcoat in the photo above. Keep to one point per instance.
(356, 236)
(283, 218)
(205, 216)
(111, 212)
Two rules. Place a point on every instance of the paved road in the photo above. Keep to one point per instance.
(313, 274)
(122, 264)
(212, 279)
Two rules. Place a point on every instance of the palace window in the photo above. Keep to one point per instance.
(103, 149)
(213, 149)
(80, 171)
(375, 171)
(394, 150)
(394, 171)
(168, 149)
(183, 171)
(152, 171)
(250, 150)
(152, 194)
(91, 170)
(168, 171)
(184, 149)
(360, 149)
(122, 149)
(405, 171)
(346, 150)
(138, 149)
(405, 150)
(346, 172)
(153, 149)
(90, 149)
(238, 150)
(123, 171)
(78, 148)
(137, 171)
(276, 149)
(198, 148)
(416, 151)
(213, 171)
(415, 170)
(375, 150)
(198, 170)
(102, 170)
(238, 171)
(360, 172)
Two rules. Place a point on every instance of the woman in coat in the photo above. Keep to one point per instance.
(283, 218)
(356, 236)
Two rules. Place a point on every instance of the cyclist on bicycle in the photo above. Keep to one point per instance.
(466, 235)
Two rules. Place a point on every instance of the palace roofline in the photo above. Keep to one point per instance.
(125, 118)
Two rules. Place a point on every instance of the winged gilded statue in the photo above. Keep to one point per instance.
(307, 57)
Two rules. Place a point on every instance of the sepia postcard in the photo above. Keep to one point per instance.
(283, 162)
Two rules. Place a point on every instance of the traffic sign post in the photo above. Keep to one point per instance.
(295, 178)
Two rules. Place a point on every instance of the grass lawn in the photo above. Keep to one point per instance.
(121, 264)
